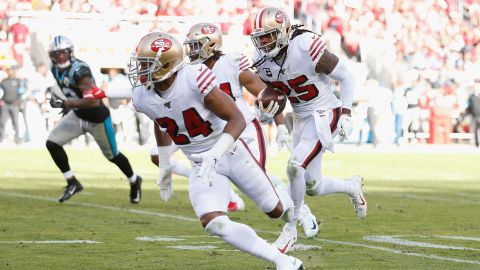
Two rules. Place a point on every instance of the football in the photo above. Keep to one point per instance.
(268, 94)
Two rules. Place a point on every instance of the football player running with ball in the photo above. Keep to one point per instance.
(81, 102)
(190, 110)
(297, 63)
(204, 45)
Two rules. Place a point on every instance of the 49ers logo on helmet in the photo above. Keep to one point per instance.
(280, 17)
(161, 43)
(208, 29)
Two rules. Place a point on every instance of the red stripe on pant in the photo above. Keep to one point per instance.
(264, 172)
(261, 143)
(318, 146)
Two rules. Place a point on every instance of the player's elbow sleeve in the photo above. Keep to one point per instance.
(347, 83)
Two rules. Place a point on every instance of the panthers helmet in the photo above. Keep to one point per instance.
(203, 40)
(157, 57)
(61, 51)
(274, 23)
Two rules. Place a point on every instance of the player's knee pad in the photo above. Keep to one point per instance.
(218, 225)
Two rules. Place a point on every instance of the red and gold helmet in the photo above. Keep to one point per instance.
(272, 25)
(157, 57)
(203, 40)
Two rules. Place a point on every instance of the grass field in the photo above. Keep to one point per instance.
(424, 213)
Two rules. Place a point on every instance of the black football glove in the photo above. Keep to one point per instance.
(57, 103)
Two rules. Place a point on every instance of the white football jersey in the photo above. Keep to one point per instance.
(306, 89)
(227, 69)
(180, 111)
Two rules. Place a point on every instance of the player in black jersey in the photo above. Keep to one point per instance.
(81, 100)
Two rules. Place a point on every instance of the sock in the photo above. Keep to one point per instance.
(179, 168)
(122, 163)
(331, 185)
(68, 174)
(59, 156)
(132, 178)
(296, 174)
(243, 238)
(284, 196)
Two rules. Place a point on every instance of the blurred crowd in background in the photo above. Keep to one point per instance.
(416, 62)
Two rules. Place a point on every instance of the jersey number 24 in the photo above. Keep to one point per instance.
(194, 124)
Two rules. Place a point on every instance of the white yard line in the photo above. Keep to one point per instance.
(396, 251)
(468, 194)
(456, 237)
(183, 218)
(51, 242)
(390, 239)
(113, 208)
(433, 198)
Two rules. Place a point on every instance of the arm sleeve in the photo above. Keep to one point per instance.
(347, 83)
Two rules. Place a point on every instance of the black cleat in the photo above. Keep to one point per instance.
(136, 190)
(73, 187)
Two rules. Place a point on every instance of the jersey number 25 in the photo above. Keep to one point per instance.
(304, 92)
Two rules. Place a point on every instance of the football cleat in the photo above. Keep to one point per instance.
(73, 186)
(357, 199)
(308, 221)
(286, 240)
(136, 190)
(293, 264)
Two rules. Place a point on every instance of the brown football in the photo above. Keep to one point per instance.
(268, 94)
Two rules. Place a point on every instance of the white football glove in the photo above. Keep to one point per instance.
(265, 115)
(283, 138)
(346, 127)
(165, 182)
(207, 169)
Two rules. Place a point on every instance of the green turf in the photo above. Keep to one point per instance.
(417, 197)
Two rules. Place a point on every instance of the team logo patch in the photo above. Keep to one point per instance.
(280, 17)
(66, 81)
(208, 29)
(161, 43)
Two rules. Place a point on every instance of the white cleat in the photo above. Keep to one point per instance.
(357, 198)
(286, 240)
(293, 264)
(308, 221)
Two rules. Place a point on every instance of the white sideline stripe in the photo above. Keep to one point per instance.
(434, 198)
(52, 242)
(130, 210)
(395, 251)
(394, 240)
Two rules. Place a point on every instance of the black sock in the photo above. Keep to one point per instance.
(59, 156)
(122, 162)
